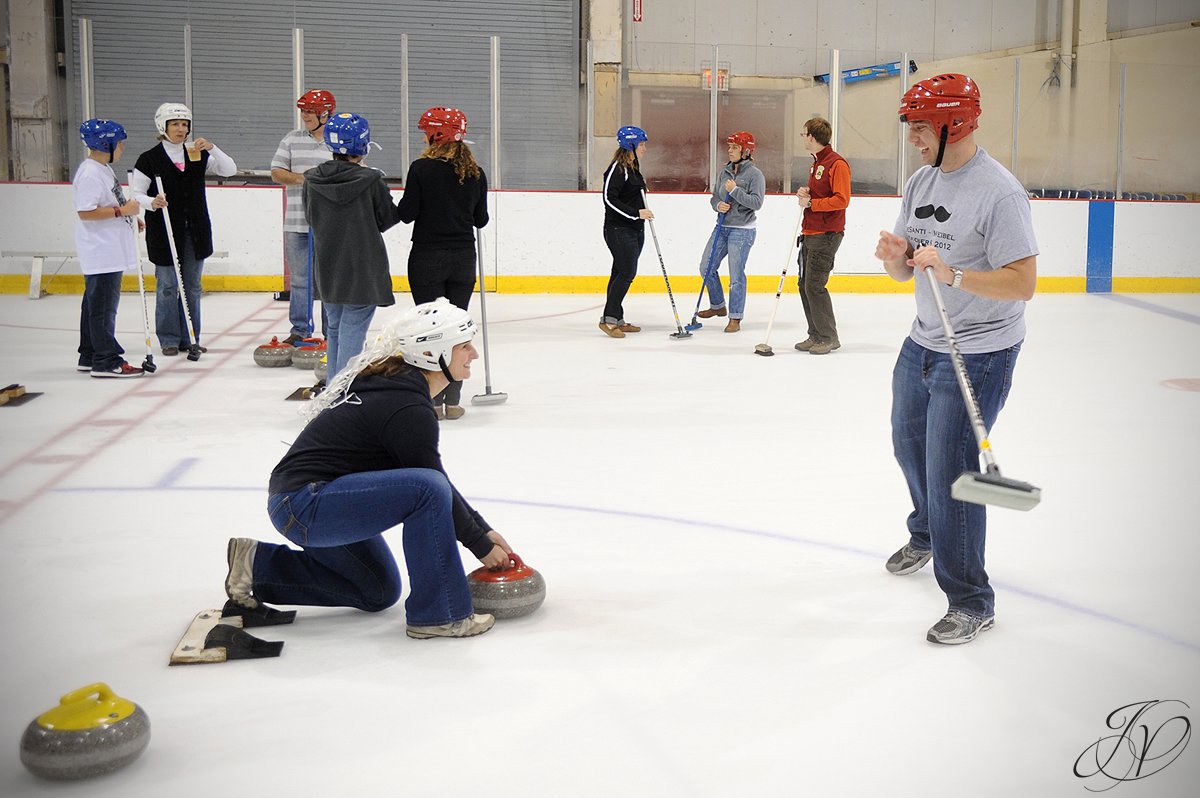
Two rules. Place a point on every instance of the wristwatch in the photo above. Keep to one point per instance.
(957, 281)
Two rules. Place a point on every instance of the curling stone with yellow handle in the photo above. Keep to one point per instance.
(92, 731)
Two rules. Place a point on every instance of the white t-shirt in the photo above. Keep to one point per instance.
(104, 245)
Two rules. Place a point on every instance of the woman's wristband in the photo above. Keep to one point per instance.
(117, 212)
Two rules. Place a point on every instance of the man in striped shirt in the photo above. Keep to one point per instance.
(299, 151)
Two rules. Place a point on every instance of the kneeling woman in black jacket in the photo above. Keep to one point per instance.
(368, 461)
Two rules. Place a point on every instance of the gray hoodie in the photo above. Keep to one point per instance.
(746, 198)
(348, 207)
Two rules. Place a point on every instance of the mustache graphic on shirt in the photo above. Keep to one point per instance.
(925, 211)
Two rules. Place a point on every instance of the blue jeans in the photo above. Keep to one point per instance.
(346, 333)
(344, 560)
(295, 252)
(98, 347)
(734, 242)
(933, 442)
(169, 322)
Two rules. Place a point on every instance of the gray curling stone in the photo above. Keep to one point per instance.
(321, 370)
(308, 354)
(91, 732)
(273, 354)
(507, 592)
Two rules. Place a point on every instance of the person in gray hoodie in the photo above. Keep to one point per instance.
(348, 208)
(736, 195)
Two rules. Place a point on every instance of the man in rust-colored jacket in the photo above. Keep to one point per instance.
(824, 200)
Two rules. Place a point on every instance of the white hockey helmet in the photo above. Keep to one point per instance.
(423, 336)
(426, 334)
(168, 111)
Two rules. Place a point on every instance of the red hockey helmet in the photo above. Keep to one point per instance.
(317, 100)
(948, 101)
(743, 139)
(441, 123)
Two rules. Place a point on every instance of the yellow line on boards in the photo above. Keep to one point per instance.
(643, 284)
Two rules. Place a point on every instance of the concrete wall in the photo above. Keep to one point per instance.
(551, 242)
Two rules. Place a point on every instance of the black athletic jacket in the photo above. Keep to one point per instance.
(446, 212)
(623, 197)
(393, 426)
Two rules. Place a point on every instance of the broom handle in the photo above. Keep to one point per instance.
(487, 361)
(783, 276)
(183, 298)
(964, 381)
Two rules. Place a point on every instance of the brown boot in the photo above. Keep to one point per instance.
(630, 328)
(734, 325)
(611, 330)
(708, 314)
(807, 344)
(454, 412)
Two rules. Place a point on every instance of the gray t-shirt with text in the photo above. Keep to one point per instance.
(978, 217)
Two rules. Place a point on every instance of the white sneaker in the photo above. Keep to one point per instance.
(474, 624)
(239, 583)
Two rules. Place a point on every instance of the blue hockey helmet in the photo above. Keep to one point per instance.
(101, 135)
(630, 136)
(348, 134)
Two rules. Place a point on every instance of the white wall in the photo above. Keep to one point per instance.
(793, 37)
(558, 234)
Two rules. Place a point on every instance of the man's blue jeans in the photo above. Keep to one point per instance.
(345, 562)
(295, 252)
(98, 347)
(933, 442)
(734, 242)
(346, 333)
(169, 322)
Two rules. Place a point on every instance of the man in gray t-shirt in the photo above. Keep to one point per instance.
(967, 218)
(299, 151)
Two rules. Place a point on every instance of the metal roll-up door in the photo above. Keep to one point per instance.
(241, 60)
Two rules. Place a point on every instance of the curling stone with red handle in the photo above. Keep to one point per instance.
(507, 592)
(273, 354)
(309, 352)
(92, 731)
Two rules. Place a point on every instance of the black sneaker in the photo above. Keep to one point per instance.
(123, 370)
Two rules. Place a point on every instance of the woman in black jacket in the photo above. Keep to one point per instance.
(368, 461)
(182, 165)
(625, 216)
(445, 197)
